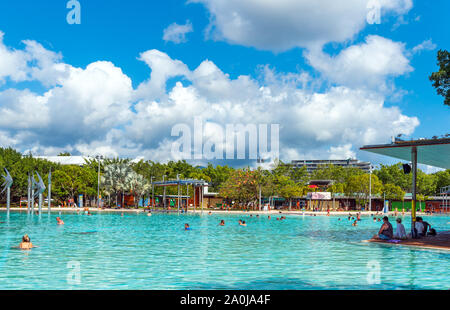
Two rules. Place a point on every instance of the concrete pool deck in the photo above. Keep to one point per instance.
(439, 242)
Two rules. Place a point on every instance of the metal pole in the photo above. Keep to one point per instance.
(153, 192)
(98, 183)
(29, 193)
(164, 194)
(8, 197)
(370, 189)
(187, 197)
(195, 190)
(49, 202)
(178, 205)
(201, 196)
(414, 180)
(40, 203)
(32, 192)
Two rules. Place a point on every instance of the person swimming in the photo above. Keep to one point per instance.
(26, 243)
(355, 223)
(186, 227)
(149, 214)
(243, 223)
(222, 223)
(268, 217)
(59, 221)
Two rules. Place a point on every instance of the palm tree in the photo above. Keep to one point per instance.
(116, 178)
(138, 185)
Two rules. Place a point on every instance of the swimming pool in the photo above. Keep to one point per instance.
(135, 251)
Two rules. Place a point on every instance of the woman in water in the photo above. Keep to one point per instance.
(59, 221)
(243, 223)
(186, 227)
(26, 243)
(222, 223)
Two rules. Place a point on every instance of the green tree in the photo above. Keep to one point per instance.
(358, 187)
(441, 78)
(392, 192)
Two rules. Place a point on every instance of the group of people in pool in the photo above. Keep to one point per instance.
(241, 222)
(386, 231)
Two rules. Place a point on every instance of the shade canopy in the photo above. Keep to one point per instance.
(433, 152)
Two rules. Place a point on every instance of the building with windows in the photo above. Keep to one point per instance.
(314, 164)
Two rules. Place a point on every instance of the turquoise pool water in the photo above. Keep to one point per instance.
(141, 252)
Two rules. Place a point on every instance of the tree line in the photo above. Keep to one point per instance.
(241, 185)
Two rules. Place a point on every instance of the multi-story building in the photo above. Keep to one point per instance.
(313, 164)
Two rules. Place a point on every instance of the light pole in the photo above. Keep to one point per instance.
(370, 188)
(98, 181)
(178, 181)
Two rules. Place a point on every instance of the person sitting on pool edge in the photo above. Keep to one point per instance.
(59, 221)
(400, 232)
(425, 225)
(386, 231)
(26, 243)
(186, 227)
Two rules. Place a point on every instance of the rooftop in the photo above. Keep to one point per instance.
(433, 152)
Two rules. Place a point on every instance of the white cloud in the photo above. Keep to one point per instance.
(13, 64)
(177, 33)
(368, 64)
(96, 110)
(341, 152)
(283, 24)
(163, 67)
(426, 45)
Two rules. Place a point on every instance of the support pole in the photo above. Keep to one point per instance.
(153, 194)
(201, 196)
(29, 194)
(49, 202)
(8, 199)
(164, 193)
(414, 180)
(260, 197)
(179, 195)
(40, 203)
(98, 183)
(370, 189)
(195, 203)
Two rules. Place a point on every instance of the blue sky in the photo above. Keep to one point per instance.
(238, 38)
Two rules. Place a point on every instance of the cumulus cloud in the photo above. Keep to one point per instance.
(177, 33)
(284, 24)
(368, 64)
(96, 110)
